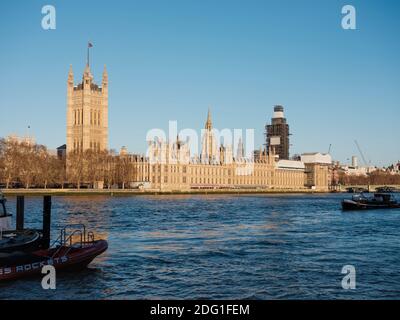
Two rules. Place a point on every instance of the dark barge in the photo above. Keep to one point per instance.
(378, 201)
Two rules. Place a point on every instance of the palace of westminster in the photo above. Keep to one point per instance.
(168, 165)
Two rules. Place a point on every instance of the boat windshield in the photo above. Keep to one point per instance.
(3, 211)
(359, 197)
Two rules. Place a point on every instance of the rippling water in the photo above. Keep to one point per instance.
(223, 247)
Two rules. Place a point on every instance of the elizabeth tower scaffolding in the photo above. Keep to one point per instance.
(277, 134)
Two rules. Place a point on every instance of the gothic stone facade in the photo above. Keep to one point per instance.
(168, 166)
(263, 174)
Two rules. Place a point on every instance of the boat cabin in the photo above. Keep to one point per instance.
(380, 200)
(378, 197)
(383, 197)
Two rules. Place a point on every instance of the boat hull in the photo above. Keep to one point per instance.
(64, 258)
(348, 205)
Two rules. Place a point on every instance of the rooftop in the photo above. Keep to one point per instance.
(290, 164)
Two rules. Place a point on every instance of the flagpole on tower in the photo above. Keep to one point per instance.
(89, 46)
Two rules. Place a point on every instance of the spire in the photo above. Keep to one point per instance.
(105, 74)
(240, 149)
(87, 71)
(70, 75)
(209, 122)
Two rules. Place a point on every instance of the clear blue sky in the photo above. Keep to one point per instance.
(171, 60)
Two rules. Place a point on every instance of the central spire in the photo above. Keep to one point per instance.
(209, 143)
(209, 122)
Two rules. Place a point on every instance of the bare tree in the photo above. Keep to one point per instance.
(75, 163)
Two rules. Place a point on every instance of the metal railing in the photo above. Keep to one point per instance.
(66, 240)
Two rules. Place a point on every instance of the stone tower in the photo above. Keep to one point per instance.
(87, 112)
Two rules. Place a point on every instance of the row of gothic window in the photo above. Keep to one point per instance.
(94, 117)
(78, 145)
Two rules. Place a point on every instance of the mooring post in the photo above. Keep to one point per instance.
(20, 213)
(46, 221)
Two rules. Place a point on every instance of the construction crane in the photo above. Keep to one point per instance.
(330, 147)
(361, 153)
(365, 162)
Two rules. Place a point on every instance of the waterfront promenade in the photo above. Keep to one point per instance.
(132, 192)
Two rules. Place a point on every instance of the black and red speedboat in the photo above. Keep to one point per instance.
(71, 252)
(24, 252)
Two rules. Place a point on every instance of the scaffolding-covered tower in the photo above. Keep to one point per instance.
(277, 134)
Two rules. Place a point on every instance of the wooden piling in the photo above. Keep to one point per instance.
(20, 213)
(46, 221)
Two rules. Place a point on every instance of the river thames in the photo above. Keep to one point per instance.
(222, 247)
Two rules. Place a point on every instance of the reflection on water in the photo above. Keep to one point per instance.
(77, 209)
(222, 247)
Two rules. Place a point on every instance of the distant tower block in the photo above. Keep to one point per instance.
(277, 134)
(354, 162)
(87, 113)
